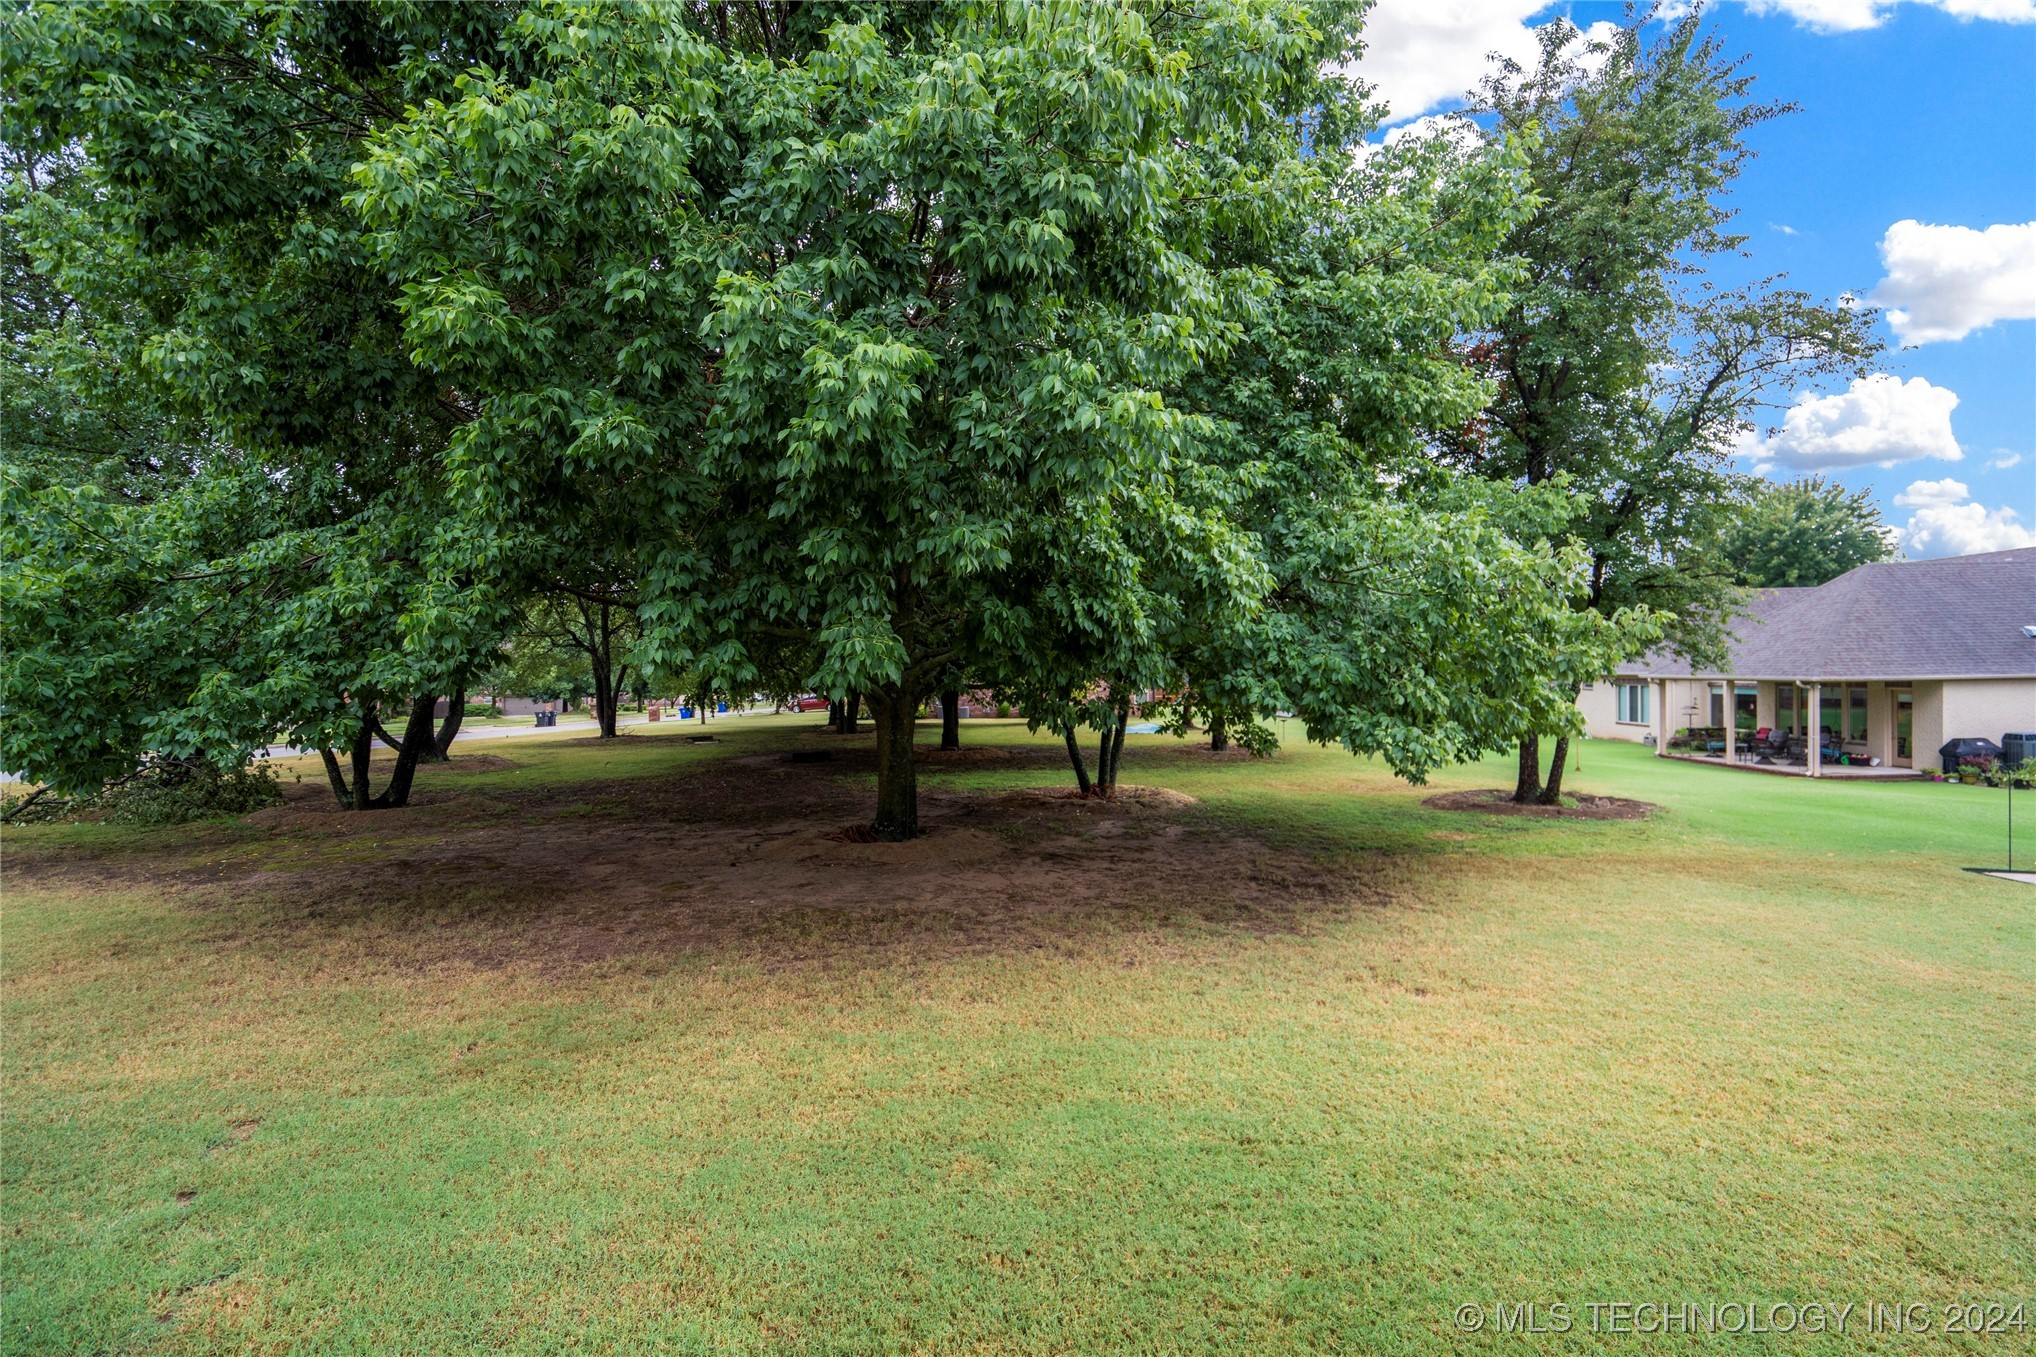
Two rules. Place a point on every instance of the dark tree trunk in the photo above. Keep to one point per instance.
(363, 752)
(1117, 742)
(455, 713)
(340, 792)
(1528, 788)
(897, 715)
(604, 695)
(1219, 732)
(1105, 784)
(1551, 793)
(834, 711)
(1074, 756)
(950, 720)
(848, 720)
(1110, 747)
(417, 737)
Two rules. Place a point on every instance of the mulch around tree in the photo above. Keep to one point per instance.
(1498, 801)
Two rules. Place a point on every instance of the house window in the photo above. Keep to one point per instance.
(1855, 714)
(1633, 704)
(1785, 707)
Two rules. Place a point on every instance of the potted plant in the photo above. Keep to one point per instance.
(1973, 767)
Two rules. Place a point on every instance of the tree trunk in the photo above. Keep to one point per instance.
(1551, 794)
(363, 751)
(834, 711)
(1117, 742)
(1105, 784)
(950, 720)
(455, 713)
(847, 721)
(417, 737)
(340, 792)
(1110, 747)
(1219, 733)
(604, 694)
(897, 715)
(1074, 756)
(1528, 788)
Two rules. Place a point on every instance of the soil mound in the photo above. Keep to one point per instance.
(1497, 801)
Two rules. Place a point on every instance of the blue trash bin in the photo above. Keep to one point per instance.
(685, 713)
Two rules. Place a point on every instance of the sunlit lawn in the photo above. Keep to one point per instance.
(1771, 1045)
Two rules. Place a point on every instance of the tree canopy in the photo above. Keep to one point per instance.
(1620, 374)
(1802, 533)
(1083, 348)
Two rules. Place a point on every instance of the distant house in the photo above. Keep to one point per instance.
(1879, 667)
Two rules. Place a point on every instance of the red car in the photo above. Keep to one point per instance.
(810, 703)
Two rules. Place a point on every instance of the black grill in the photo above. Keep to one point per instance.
(1967, 747)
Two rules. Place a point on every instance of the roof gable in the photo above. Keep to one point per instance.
(1952, 617)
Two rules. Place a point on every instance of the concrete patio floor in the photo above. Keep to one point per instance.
(1830, 770)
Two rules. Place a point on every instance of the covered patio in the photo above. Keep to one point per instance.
(1802, 728)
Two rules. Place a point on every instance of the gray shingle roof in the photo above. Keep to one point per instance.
(1955, 617)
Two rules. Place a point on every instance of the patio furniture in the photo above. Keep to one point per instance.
(1769, 744)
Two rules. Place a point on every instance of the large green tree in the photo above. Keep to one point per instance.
(1800, 533)
(891, 319)
(269, 579)
(1621, 376)
(876, 313)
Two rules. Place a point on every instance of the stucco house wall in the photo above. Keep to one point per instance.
(1599, 704)
(1929, 727)
(1987, 707)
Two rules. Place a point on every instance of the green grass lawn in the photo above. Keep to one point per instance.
(286, 1086)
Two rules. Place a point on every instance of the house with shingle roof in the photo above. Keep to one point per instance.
(1875, 670)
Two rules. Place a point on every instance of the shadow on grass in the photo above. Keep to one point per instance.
(738, 855)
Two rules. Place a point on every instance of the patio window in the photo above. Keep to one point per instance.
(1831, 711)
(1633, 703)
(1855, 714)
(1785, 707)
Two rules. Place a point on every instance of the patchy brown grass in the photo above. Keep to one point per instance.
(747, 855)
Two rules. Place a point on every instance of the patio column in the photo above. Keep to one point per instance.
(1815, 743)
(1660, 687)
(1731, 721)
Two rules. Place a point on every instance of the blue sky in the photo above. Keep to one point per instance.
(1909, 114)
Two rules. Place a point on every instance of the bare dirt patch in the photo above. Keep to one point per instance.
(739, 857)
(1496, 801)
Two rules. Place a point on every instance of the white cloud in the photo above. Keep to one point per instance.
(2008, 462)
(1879, 419)
(1841, 16)
(1420, 55)
(1947, 522)
(1944, 282)
(1458, 130)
